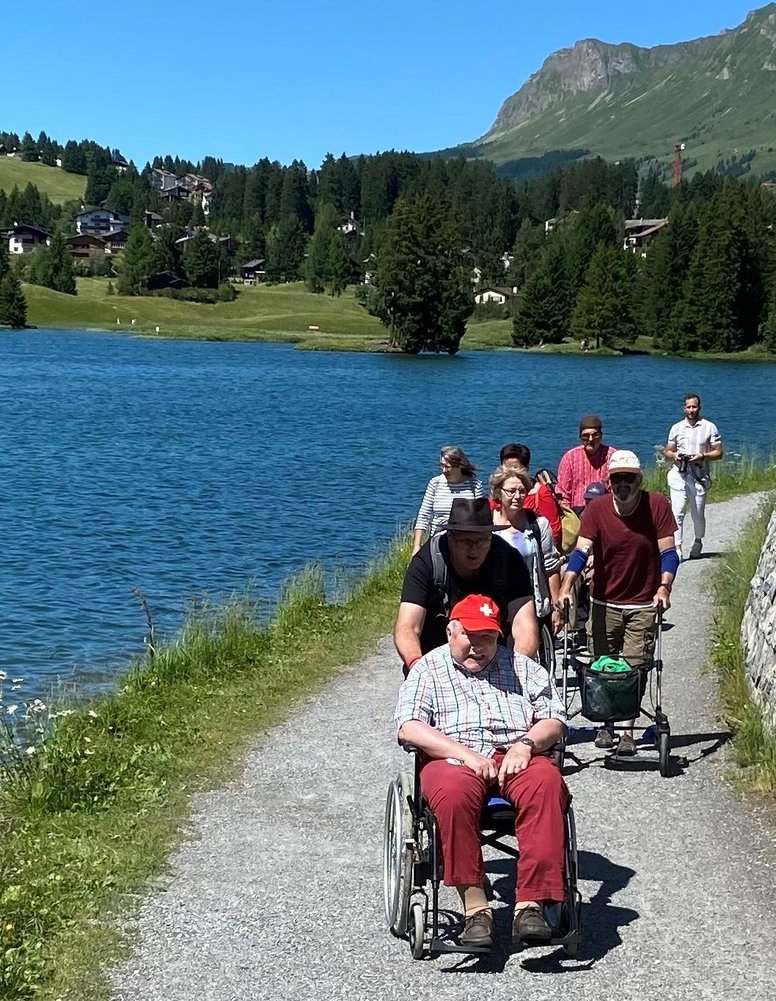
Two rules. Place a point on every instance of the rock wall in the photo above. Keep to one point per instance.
(758, 630)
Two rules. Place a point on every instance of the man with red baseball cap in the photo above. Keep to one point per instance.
(483, 716)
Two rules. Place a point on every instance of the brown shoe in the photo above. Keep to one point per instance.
(528, 925)
(478, 930)
(627, 746)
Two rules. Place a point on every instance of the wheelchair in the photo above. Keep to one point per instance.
(413, 872)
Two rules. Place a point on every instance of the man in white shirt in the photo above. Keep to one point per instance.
(692, 444)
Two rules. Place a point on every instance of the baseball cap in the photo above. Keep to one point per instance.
(595, 490)
(476, 612)
(623, 461)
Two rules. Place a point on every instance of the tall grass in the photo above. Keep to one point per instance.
(732, 476)
(92, 813)
(754, 745)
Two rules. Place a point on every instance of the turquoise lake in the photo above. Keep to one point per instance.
(192, 468)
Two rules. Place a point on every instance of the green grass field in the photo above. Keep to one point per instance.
(58, 185)
(268, 313)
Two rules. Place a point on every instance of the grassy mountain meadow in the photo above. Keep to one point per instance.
(716, 94)
(52, 181)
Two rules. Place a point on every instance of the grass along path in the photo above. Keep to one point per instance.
(94, 812)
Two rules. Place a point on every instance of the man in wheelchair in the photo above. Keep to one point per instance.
(484, 717)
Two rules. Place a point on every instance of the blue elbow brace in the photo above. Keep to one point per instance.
(669, 561)
(577, 561)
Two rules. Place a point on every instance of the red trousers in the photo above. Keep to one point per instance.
(456, 795)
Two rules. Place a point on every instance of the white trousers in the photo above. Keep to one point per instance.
(688, 489)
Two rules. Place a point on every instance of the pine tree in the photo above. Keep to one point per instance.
(202, 262)
(138, 262)
(317, 266)
(286, 242)
(13, 305)
(62, 274)
(544, 310)
(604, 312)
(29, 151)
(423, 289)
(339, 268)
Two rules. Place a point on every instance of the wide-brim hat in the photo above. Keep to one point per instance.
(471, 515)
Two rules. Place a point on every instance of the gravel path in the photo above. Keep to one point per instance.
(278, 893)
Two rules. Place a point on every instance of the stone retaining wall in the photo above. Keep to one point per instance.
(758, 630)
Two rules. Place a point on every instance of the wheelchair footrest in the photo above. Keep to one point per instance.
(439, 945)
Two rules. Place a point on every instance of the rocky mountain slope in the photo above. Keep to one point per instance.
(717, 94)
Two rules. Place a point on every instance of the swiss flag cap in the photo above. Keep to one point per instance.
(477, 613)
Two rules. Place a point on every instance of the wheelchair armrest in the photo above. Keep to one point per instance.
(408, 747)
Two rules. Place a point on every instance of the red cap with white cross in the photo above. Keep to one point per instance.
(477, 613)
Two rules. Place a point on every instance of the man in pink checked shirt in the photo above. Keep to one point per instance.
(584, 464)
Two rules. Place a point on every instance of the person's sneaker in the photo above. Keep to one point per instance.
(695, 552)
(528, 925)
(627, 746)
(604, 739)
(478, 929)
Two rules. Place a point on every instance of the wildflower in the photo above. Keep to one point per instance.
(17, 681)
(36, 706)
(93, 714)
(30, 750)
(15, 688)
(11, 710)
(3, 676)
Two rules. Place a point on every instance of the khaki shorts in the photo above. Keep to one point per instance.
(622, 632)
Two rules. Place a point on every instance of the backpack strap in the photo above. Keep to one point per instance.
(533, 522)
(440, 572)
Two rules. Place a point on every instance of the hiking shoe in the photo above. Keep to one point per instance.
(528, 925)
(627, 746)
(604, 739)
(695, 552)
(478, 929)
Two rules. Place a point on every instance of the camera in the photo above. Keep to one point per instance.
(682, 462)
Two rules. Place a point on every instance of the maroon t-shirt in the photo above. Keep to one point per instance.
(627, 560)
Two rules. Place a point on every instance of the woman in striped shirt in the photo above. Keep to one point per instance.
(456, 479)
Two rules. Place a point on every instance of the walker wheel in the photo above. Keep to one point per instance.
(664, 751)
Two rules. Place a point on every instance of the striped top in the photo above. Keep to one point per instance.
(493, 708)
(438, 501)
(689, 439)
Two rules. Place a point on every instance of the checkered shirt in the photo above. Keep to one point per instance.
(483, 711)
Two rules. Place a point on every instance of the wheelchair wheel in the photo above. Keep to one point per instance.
(571, 905)
(417, 931)
(547, 650)
(664, 752)
(397, 855)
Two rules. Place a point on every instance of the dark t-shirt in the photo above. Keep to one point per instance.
(627, 559)
(503, 582)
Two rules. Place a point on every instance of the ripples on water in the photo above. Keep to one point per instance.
(191, 467)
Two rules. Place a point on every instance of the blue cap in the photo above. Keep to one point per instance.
(595, 490)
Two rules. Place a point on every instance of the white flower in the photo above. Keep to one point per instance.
(36, 706)
(3, 676)
(15, 688)
(30, 750)
(93, 714)
(17, 681)
(11, 710)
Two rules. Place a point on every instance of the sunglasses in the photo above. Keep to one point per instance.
(590, 435)
(624, 477)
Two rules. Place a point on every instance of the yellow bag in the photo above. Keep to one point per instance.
(570, 525)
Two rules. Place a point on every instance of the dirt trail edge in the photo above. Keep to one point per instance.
(277, 894)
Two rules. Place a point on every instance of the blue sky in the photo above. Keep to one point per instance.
(241, 80)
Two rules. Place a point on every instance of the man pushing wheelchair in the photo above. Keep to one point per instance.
(484, 718)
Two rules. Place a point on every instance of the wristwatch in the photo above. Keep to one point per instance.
(527, 740)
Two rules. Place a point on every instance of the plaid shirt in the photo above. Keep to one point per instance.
(577, 471)
(483, 711)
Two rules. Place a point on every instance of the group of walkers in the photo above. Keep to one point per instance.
(494, 568)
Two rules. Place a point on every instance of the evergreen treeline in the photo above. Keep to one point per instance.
(705, 283)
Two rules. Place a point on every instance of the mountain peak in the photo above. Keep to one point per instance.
(623, 100)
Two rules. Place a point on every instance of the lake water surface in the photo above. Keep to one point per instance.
(189, 467)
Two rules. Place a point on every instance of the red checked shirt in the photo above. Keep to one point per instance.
(577, 471)
(492, 708)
